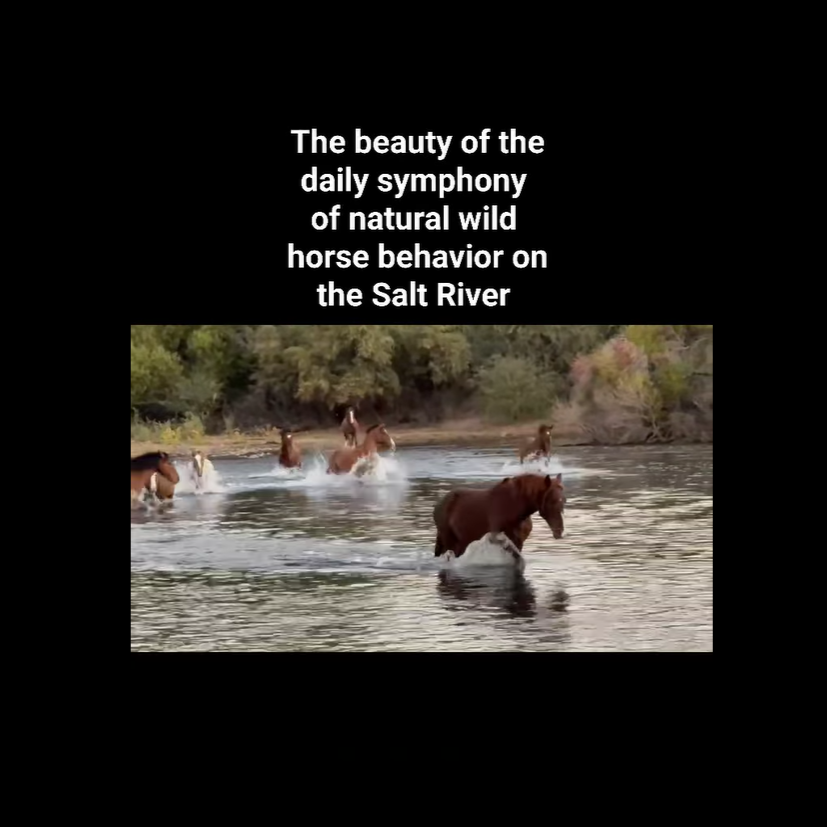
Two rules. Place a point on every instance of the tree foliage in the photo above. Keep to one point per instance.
(260, 374)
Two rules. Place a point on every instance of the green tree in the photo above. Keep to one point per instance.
(155, 374)
(514, 390)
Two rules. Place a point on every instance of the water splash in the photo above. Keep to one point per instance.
(280, 473)
(190, 485)
(552, 466)
(372, 471)
(489, 552)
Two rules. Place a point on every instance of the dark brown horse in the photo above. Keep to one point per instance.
(345, 460)
(290, 455)
(539, 446)
(350, 429)
(155, 473)
(466, 515)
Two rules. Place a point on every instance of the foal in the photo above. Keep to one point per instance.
(291, 455)
(539, 446)
(350, 428)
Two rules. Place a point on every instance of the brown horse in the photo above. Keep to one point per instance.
(466, 515)
(350, 428)
(376, 439)
(539, 446)
(155, 473)
(291, 455)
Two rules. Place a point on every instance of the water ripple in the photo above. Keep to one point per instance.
(276, 562)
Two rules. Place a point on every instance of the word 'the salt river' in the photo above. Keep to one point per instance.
(414, 295)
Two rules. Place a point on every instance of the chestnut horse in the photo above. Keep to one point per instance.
(466, 515)
(155, 473)
(291, 455)
(350, 428)
(521, 533)
(539, 446)
(346, 459)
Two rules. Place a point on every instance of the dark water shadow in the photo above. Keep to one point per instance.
(505, 590)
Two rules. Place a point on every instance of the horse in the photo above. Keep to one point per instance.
(155, 473)
(350, 428)
(291, 455)
(466, 515)
(200, 467)
(161, 488)
(539, 446)
(344, 460)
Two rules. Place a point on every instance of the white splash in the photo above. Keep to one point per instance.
(493, 550)
(191, 484)
(372, 471)
(551, 465)
(282, 473)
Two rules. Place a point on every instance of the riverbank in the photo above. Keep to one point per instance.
(465, 432)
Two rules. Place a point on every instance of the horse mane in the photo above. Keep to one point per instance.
(532, 485)
(145, 462)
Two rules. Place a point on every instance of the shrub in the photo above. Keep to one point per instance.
(514, 390)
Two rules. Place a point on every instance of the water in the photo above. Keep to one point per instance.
(267, 560)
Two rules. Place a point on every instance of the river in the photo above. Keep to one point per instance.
(274, 561)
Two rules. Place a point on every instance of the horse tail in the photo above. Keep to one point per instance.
(439, 549)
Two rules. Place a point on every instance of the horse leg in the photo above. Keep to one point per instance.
(460, 548)
(445, 541)
(515, 540)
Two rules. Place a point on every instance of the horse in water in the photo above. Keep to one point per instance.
(350, 428)
(201, 467)
(466, 515)
(539, 446)
(290, 455)
(346, 459)
(154, 473)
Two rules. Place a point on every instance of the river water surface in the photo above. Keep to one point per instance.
(272, 561)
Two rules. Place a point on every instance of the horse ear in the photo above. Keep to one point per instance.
(559, 479)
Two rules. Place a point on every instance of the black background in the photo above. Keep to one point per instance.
(214, 204)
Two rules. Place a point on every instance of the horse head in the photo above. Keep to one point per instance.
(286, 436)
(545, 495)
(167, 469)
(381, 439)
(553, 506)
(198, 462)
(159, 462)
(544, 435)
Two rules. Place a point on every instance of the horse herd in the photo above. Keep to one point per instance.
(461, 517)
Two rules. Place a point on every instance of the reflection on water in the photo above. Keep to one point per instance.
(507, 591)
(277, 562)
